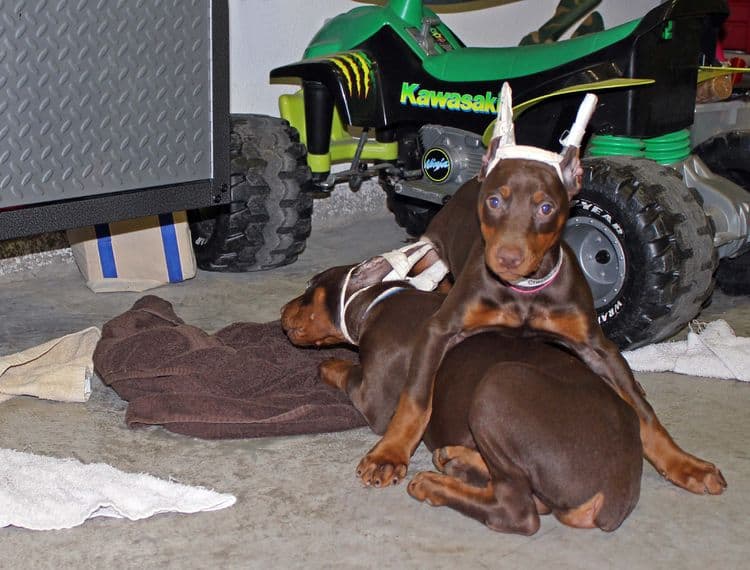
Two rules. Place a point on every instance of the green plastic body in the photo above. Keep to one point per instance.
(348, 30)
(460, 64)
(352, 28)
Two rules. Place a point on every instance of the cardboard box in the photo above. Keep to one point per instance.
(135, 255)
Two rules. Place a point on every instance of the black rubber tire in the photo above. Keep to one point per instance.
(666, 245)
(728, 155)
(269, 219)
(411, 214)
(733, 275)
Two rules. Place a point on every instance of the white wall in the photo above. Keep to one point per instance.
(268, 33)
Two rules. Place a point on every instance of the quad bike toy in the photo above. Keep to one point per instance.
(653, 218)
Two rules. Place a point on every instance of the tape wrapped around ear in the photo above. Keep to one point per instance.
(504, 130)
(567, 164)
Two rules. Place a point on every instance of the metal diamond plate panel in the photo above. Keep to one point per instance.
(102, 96)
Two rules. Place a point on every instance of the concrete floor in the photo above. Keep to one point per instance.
(298, 502)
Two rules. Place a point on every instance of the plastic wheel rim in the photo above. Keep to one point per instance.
(600, 256)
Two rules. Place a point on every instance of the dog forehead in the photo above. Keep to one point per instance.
(523, 175)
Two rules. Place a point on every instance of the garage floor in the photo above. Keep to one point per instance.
(298, 502)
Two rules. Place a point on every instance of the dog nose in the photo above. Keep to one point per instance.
(510, 257)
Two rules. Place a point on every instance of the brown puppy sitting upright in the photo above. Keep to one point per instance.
(519, 427)
(500, 236)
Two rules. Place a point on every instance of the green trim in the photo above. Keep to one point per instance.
(668, 32)
(343, 145)
(481, 64)
(319, 162)
(664, 149)
(410, 11)
(669, 148)
(610, 145)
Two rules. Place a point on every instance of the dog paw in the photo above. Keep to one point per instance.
(441, 457)
(462, 463)
(423, 488)
(698, 476)
(381, 468)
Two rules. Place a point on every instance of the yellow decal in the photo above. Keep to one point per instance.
(357, 65)
(355, 68)
(345, 70)
(706, 72)
(366, 66)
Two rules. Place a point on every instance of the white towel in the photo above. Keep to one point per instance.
(711, 350)
(59, 369)
(46, 493)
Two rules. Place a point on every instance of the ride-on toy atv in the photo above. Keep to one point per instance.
(652, 219)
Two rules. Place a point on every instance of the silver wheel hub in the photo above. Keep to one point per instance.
(600, 256)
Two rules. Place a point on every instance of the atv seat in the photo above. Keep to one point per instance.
(483, 64)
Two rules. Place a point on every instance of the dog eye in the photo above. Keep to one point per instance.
(546, 209)
(494, 202)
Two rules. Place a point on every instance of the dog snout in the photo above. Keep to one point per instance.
(509, 257)
(290, 314)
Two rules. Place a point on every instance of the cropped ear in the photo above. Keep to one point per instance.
(571, 169)
(570, 166)
(487, 159)
(503, 134)
(369, 272)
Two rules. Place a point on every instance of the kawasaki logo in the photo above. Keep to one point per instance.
(357, 71)
(412, 95)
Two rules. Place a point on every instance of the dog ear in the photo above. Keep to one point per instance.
(487, 159)
(571, 169)
(503, 134)
(369, 272)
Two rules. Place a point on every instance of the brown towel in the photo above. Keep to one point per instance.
(247, 380)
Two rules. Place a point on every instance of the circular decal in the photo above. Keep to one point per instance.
(436, 165)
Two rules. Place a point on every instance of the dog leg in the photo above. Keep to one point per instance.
(583, 516)
(672, 462)
(387, 462)
(462, 463)
(337, 373)
(605, 359)
(503, 507)
(676, 465)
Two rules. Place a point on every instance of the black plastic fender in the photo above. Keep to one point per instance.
(351, 77)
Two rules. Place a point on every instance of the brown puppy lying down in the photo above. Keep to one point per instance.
(519, 427)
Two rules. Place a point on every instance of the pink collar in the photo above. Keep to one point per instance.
(527, 286)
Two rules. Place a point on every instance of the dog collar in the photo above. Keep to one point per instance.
(344, 305)
(383, 296)
(536, 285)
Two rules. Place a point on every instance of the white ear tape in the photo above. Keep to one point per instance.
(504, 122)
(575, 135)
(507, 147)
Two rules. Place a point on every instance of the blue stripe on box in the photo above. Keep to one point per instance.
(106, 255)
(171, 251)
